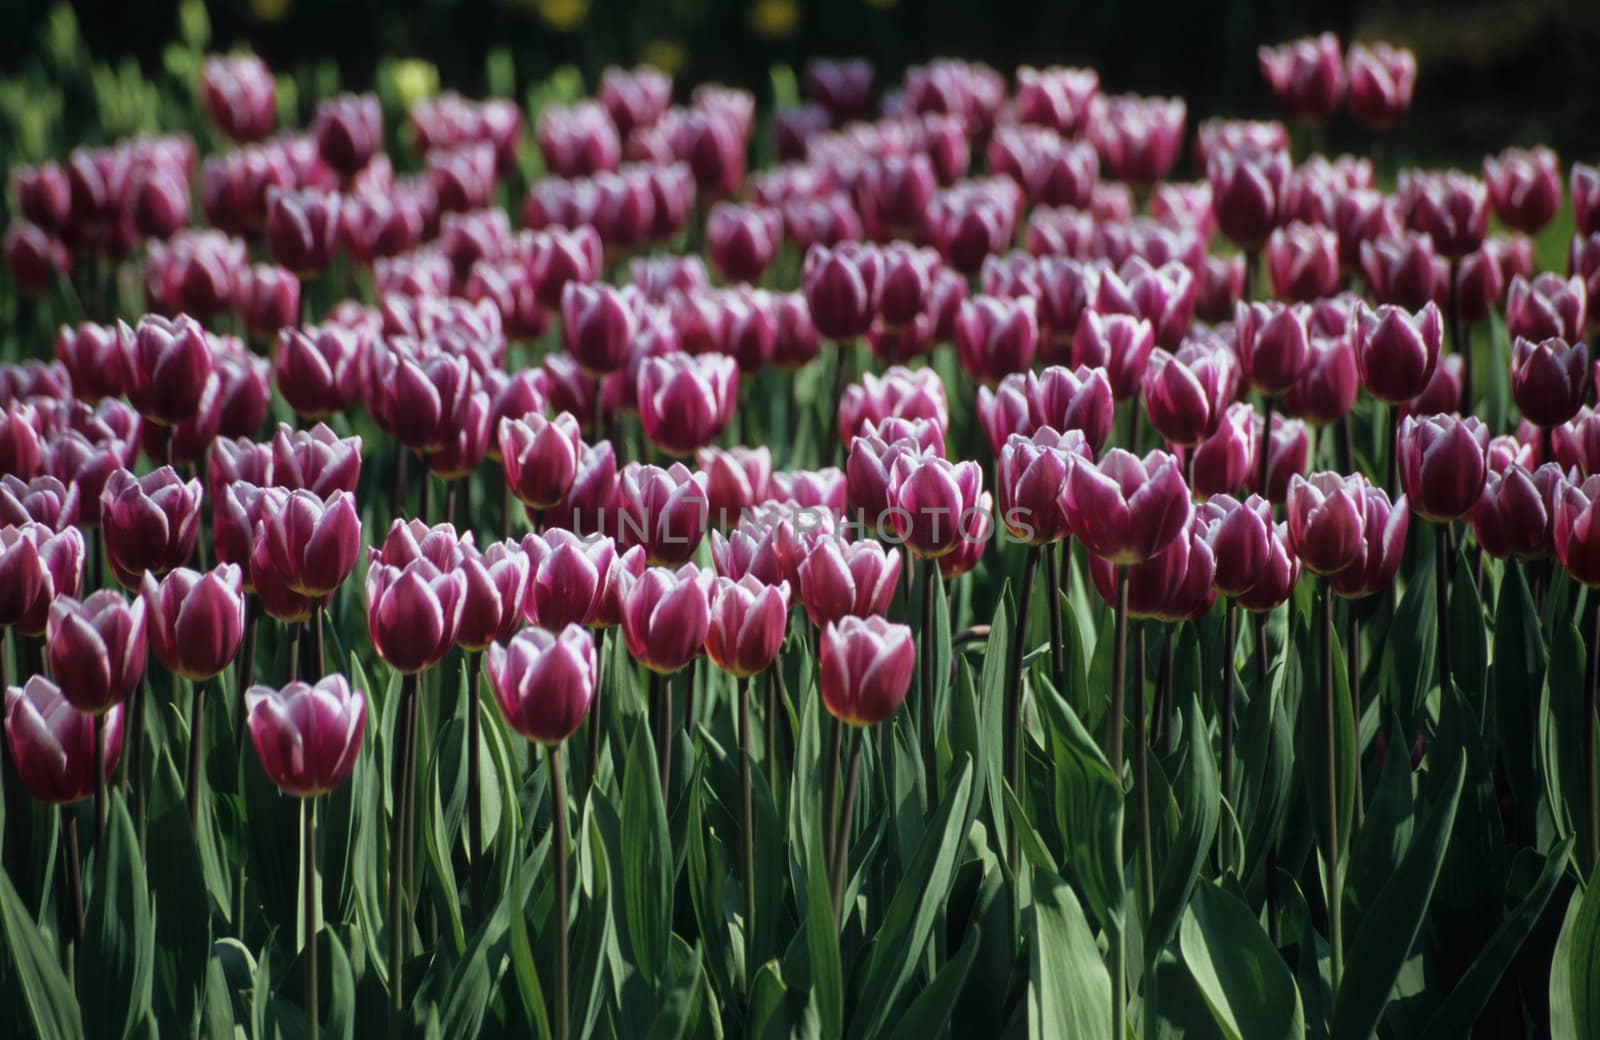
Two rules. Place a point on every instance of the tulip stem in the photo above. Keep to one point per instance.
(308, 855)
(247, 664)
(747, 833)
(405, 719)
(1264, 449)
(930, 751)
(558, 814)
(1352, 667)
(70, 854)
(1230, 650)
(1441, 579)
(1263, 653)
(398, 494)
(1116, 940)
(1458, 343)
(1141, 776)
(830, 421)
(474, 785)
(1133, 423)
(841, 852)
(450, 502)
(506, 509)
(133, 761)
(1054, 576)
(1591, 762)
(197, 721)
(661, 698)
(777, 705)
(830, 790)
(318, 609)
(425, 493)
(166, 444)
(594, 719)
(1014, 736)
(99, 779)
(1330, 729)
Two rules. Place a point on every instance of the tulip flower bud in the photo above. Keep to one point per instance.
(1327, 518)
(933, 503)
(1303, 262)
(1516, 512)
(167, 364)
(1124, 508)
(1289, 450)
(663, 510)
(195, 621)
(995, 337)
(1137, 138)
(1452, 207)
(1382, 546)
(1547, 307)
(1274, 343)
(1306, 76)
(1031, 474)
(317, 460)
(266, 298)
(43, 500)
(150, 524)
(1442, 464)
(1247, 193)
(866, 666)
(665, 616)
(742, 241)
(735, 480)
(1174, 585)
(1239, 534)
(540, 457)
(1403, 269)
(748, 621)
(496, 593)
(413, 612)
(1524, 187)
(842, 287)
(1577, 536)
(590, 506)
(348, 130)
(843, 88)
(1279, 575)
(93, 357)
(302, 229)
(839, 579)
(1328, 385)
(1382, 79)
(544, 682)
(236, 509)
(1119, 343)
(239, 95)
(307, 736)
(1185, 394)
(318, 369)
(1480, 284)
(53, 744)
(1396, 352)
(37, 564)
(1549, 380)
(19, 441)
(1442, 395)
(685, 402)
(599, 325)
(44, 196)
(311, 543)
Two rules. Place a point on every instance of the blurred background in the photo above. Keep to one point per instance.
(1492, 73)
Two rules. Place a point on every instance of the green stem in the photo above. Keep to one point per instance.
(830, 789)
(308, 855)
(1141, 777)
(1116, 938)
(99, 780)
(1055, 572)
(1591, 761)
(197, 721)
(558, 812)
(1230, 648)
(595, 723)
(747, 832)
(930, 750)
(841, 860)
(1015, 752)
(397, 846)
(474, 785)
(1330, 728)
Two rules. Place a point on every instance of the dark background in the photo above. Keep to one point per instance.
(1492, 73)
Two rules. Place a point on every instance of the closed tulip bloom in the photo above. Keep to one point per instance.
(1119, 343)
(736, 479)
(37, 564)
(1524, 187)
(578, 140)
(1031, 474)
(1328, 385)
(266, 298)
(1360, 216)
(312, 542)
(1303, 262)
(544, 681)
(348, 130)
(665, 616)
(567, 578)
(1306, 76)
(1327, 520)
(1450, 206)
(461, 455)
(1443, 392)
(742, 241)
(686, 402)
(752, 547)
(302, 229)
(410, 540)
(243, 393)
(1239, 534)
(748, 621)
(236, 510)
(1279, 575)
(1523, 447)
(413, 612)
(307, 736)
(1124, 508)
(34, 258)
(1072, 399)
(318, 369)
(824, 489)
(1274, 343)
(931, 502)
(1382, 80)
(1247, 193)
(540, 457)
(839, 579)
(1289, 451)
(1480, 284)
(635, 97)
(44, 195)
(496, 592)
(76, 460)
(1176, 584)
(1549, 380)
(150, 523)
(20, 449)
(1137, 138)
(53, 744)
(316, 460)
(796, 342)
(239, 95)
(1442, 464)
(899, 392)
(1383, 545)
(1396, 351)
(664, 510)
(841, 286)
(1403, 269)
(599, 324)
(1549, 306)
(995, 337)
(1185, 394)
(44, 500)
(1583, 261)
(167, 364)
(590, 506)
(93, 357)
(1003, 411)
(1576, 530)
(195, 621)
(869, 473)
(1164, 296)
(865, 669)
(1515, 515)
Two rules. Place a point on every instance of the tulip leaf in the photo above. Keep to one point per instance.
(341, 990)
(1311, 733)
(1519, 665)
(1574, 999)
(1382, 944)
(1469, 639)
(1198, 810)
(1264, 774)
(1069, 990)
(821, 933)
(34, 973)
(992, 710)
(1240, 974)
(1412, 641)
(1560, 737)
(647, 861)
(1089, 801)
(119, 931)
(178, 888)
(930, 1012)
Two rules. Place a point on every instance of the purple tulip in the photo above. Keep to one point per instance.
(1515, 515)
(1185, 394)
(311, 543)
(1576, 534)
(167, 365)
(748, 621)
(839, 579)
(1329, 383)
(239, 95)
(686, 402)
(1274, 344)
(1303, 262)
(1124, 508)
(1137, 138)
(150, 523)
(1306, 76)
(1524, 187)
(318, 369)
(413, 612)
(53, 744)
(348, 130)
(1451, 207)
(195, 621)
(1382, 79)
(1383, 543)
(599, 324)
(1030, 476)
(932, 503)
(568, 577)
(1549, 380)
(496, 592)
(1247, 189)
(43, 500)
(665, 616)
(996, 337)
(664, 510)
(1327, 520)
(1119, 343)
(303, 229)
(1239, 534)
(540, 457)
(544, 682)
(1177, 584)
(1396, 351)
(1547, 307)
(842, 287)
(735, 480)
(1442, 464)
(865, 669)
(307, 737)
(316, 460)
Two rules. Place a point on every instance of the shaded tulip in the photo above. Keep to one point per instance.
(34, 258)
(1225, 460)
(1576, 531)
(1327, 517)
(53, 744)
(1549, 380)
(1185, 394)
(413, 612)
(236, 509)
(1176, 584)
(996, 337)
(665, 616)
(1549, 306)
(1247, 193)
(312, 542)
(44, 195)
(1124, 508)
(348, 130)
(568, 577)
(1480, 284)
(1279, 575)
(303, 229)
(590, 505)
(865, 669)
(1443, 392)
(1583, 261)
(318, 369)
(1442, 464)
(495, 593)
(195, 621)
(599, 325)
(1396, 351)
(841, 287)
(686, 402)
(1383, 544)
(1524, 187)
(167, 365)
(37, 564)
(1586, 198)
(735, 479)
(1119, 343)
(1071, 399)
(149, 523)
(899, 392)
(1515, 515)
(19, 441)
(316, 460)
(1289, 451)
(1303, 262)
(664, 510)
(540, 457)
(266, 298)
(1274, 342)
(752, 547)
(1403, 269)
(742, 241)
(932, 502)
(544, 681)
(1382, 79)
(1450, 206)
(307, 736)
(748, 621)
(839, 579)
(1137, 138)
(1306, 75)
(1030, 476)
(1328, 385)
(93, 357)
(43, 500)
(634, 97)
(1239, 534)
(869, 474)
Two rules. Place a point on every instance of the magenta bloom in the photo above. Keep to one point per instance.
(96, 648)
(841, 288)
(418, 397)
(1303, 262)
(149, 523)
(540, 457)
(1274, 343)
(195, 621)
(1451, 207)
(1443, 464)
(1119, 343)
(748, 621)
(568, 578)
(1279, 575)
(1329, 383)
(1239, 534)
(899, 392)
(1524, 187)
(1288, 451)
(1403, 269)
(1382, 79)
(1031, 474)
(599, 324)
(742, 241)
(933, 503)
(866, 666)
(306, 736)
(735, 480)
(239, 95)
(348, 130)
(318, 369)
(1327, 520)
(1549, 306)
(93, 357)
(1576, 531)
(44, 500)
(664, 510)
(53, 743)
(413, 612)
(1247, 188)
(665, 616)
(840, 579)
(544, 682)
(312, 542)
(1383, 544)
(1176, 584)
(685, 402)
(1396, 351)
(496, 591)
(1124, 508)
(167, 365)
(1516, 513)
(317, 460)
(1549, 380)
(303, 229)
(1137, 138)
(1071, 399)
(1185, 394)
(996, 337)
(1306, 76)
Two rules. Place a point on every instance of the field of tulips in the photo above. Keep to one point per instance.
(904, 563)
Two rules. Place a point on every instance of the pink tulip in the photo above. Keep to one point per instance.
(307, 736)
(865, 669)
(53, 744)
(195, 621)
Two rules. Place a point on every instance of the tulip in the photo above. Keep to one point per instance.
(821, 489)
(1524, 187)
(742, 241)
(1124, 508)
(898, 393)
(1274, 344)
(1452, 207)
(748, 621)
(1137, 139)
(34, 258)
(1328, 385)
(318, 369)
(1443, 392)
(1516, 513)
(1174, 585)
(43, 500)
(540, 457)
(1383, 544)
(1031, 474)
(544, 682)
(995, 337)
(96, 648)
(665, 617)
(590, 505)
(1119, 343)
(312, 543)
(1403, 269)
(1396, 351)
(1239, 534)
(1288, 451)
(19, 441)
(1247, 193)
(841, 289)
(37, 564)
(735, 479)
(44, 196)
(1442, 465)
(150, 524)
(1327, 519)
(664, 510)
(865, 669)
(686, 402)
(1549, 380)
(1306, 75)
(167, 365)
(843, 88)
(93, 357)
(1303, 262)
(242, 393)
(1382, 79)
(302, 229)
(413, 612)
(52, 743)
(196, 621)
(75, 460)
(568, 578)
(316, 460)
(1185, 394)
(1547, 307)
(1279, 575)
(840, 579)
(348, 130)
(307, 736)
(599, 324)
(932, 501)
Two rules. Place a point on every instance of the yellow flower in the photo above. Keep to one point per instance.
(664, 55)
(562, 14)
(270, 10)
(774, 17)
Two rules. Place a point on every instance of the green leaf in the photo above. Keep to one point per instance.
(1411, 645)
(821, 933)
(1088, 798)
(1383, 942)
(51, 1007)
(929, 1014)
(1561, 741)
(1519, 665)
(1469, 637)
(1311, 733)
(341, 988)
(1573, 1011)
(1069, 991)
(647, 861)
(1197, 790)
(119, 931)
(992, 706)
(1461, 1008)
(1241, 975)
